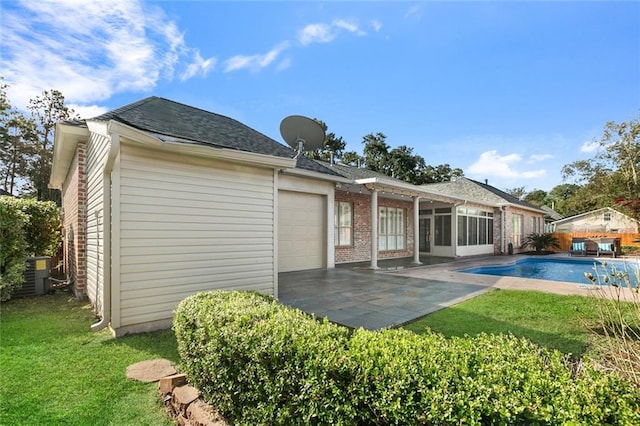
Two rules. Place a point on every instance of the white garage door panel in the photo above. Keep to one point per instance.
(301, 231)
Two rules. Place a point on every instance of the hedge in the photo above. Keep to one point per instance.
(260, 362)
(13, 249)
(27, 228)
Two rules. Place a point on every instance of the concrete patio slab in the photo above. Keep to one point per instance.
(358, 297)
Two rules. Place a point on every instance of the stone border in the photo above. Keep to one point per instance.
(181, 401)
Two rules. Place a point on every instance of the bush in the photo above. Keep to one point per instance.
(260, 363)
(541, 242)
(263, 363)
(13, 248)
(27, 228)
(42, 225)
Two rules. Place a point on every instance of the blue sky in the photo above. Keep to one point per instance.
(507, 91)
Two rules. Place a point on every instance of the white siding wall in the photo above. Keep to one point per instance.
(97, 150)
(189, 225)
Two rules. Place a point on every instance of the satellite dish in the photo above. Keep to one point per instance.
(302, 133)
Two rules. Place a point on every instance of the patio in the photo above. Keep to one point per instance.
(355, 296)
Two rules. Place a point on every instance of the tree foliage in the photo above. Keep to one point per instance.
(13, 248)
(17, 133)
(332, 148)
(610, 177)
(26, 143)
(46, 110)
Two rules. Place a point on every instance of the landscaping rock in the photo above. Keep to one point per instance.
(150, 371)
(185, 395)
(166, 384)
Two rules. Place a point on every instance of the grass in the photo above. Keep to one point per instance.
(550, 320)
(54, 370)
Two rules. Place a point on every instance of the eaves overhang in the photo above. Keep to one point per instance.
(66, 139)
(402, 188)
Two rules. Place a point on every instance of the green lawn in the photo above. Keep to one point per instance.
(54, 370)
(550, 320)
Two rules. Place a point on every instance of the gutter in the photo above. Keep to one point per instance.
(114, 149)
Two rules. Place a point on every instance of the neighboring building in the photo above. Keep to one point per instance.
(604, 220)
(162, 200)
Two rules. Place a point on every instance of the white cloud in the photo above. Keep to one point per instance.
(255, 62)
(88, 111)
(91, 50)
(589, 147)
(350, 26)
(316, 33)
(492, 164)
(325, 33)
(534, 158)
(414, 11)
(377, 25)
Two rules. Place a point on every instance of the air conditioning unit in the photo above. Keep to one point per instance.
(36, 277)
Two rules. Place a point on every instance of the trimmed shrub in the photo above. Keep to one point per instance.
(263, 363)
(42, 226)
(13, 248)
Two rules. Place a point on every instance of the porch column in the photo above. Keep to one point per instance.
(374, 229)
(416, 231)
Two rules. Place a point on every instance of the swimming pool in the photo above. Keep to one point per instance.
(568, 270)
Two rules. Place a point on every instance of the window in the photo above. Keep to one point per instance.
(391, 229)
(475, 227)
(343, 221)
(535, 226)
(442, 227)
(607, 216)
(518, 230)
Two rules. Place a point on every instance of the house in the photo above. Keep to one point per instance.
(550, 217)
(488, 221)
(604, 220)
(162, 200)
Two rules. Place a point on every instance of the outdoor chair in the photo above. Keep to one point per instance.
(578, 247)
(606, 247)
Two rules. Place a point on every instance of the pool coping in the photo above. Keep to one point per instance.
(449, 272)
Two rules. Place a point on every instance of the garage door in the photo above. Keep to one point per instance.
(301, 231)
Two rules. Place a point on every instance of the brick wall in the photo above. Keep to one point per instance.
(360, 250)
(74, 204)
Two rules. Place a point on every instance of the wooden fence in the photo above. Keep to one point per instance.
(625, 239)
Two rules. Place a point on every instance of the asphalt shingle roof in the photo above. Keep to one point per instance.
(176, 120)
(476, 191)
(172, 121)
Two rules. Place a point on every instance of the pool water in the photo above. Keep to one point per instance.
(568, 270)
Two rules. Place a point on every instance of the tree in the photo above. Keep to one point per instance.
(560, 198)
(537, 197)
(17, 134)
(376, 153)
(352, 158)
(406, 166)
(612, 174)
(46, 111)
(518, 192)
(440, 173)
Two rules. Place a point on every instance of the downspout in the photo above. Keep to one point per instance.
(114, 149)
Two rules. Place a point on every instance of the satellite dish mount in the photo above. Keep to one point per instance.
(302, 133)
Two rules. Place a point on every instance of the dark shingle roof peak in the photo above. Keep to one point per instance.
(180, 121)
